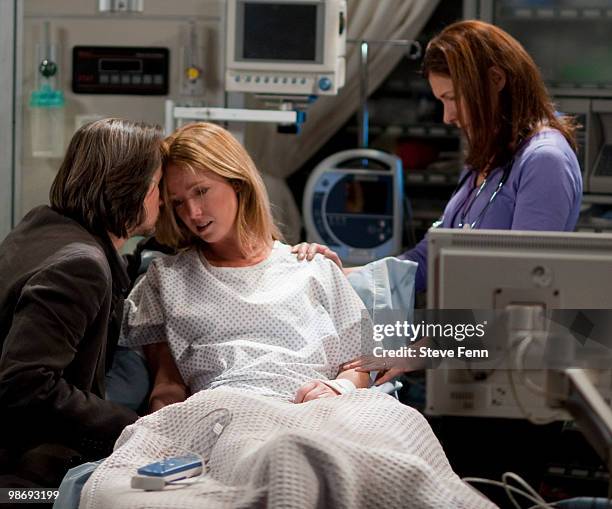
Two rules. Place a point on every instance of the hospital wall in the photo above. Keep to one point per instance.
(77, 22)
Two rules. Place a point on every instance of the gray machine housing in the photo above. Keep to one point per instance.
(373, 229)
(493, 269)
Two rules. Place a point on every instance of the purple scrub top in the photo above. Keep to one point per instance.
(543, 192)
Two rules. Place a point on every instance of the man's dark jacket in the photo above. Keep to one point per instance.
(61, 299)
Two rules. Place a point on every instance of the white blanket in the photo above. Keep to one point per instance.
(358, 450)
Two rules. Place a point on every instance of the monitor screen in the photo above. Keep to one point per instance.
(270, 31)
(361, 196)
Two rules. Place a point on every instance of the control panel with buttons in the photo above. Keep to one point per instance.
(120, 70)
(279, 83)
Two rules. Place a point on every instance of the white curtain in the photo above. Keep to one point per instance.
(279, 155)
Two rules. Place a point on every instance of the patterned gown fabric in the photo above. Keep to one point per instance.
(267, 328)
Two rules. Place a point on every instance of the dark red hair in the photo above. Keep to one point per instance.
(497, 123)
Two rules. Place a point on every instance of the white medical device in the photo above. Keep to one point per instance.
(353, 204)
(288, 47)
(500, 270)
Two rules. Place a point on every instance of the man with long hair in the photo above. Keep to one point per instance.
(61, 299)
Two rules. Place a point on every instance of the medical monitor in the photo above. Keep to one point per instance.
(353, 203)
(495, 269)
(288, 47)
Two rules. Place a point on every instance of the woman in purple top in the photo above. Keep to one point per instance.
(539, 189)
(521, 171)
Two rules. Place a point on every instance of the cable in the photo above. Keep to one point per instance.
(517, 478)
(409, 229)
(502, 485)
(529, 493)
(520, 363)
(527, 414)
(210, 435)
(524, 343)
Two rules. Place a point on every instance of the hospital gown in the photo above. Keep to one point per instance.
(254, 335)
(267, 328)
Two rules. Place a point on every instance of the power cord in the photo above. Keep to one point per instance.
(521, 351)
(528, 492)
(157, 481)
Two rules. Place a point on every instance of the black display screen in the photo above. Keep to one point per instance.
(112, 64)
(133, 70)
(352, 196)
(366, 197)
(280, 32)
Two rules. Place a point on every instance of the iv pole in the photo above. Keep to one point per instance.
(414, 52)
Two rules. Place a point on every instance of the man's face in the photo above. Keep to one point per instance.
(151, 207)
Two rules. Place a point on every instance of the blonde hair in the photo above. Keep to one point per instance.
(204, 147)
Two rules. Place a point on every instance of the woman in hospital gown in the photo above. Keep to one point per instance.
(235, 308)
(256, 340)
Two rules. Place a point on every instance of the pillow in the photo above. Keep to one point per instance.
(386, 285)
(127, 382)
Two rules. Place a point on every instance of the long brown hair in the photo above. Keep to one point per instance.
(496, 124)
(106, 175)
(203, 147)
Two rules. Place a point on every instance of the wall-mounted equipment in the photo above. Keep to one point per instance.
(563, 37)
(353, 203)
(47, 101)
(184, 114)
(192, 82)
(594, 140)
(121, 5)
(600, 178)
(290, 47)
(120, 70)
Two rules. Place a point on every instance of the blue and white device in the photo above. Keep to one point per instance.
(173, 469)
(353, 204)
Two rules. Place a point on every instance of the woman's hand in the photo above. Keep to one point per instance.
(314, 390)
(388, 369)
(307, 251)
(388, 375)
(167, 393)
(168, 384)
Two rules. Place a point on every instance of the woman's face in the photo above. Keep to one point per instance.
(206, 203)
(443, 90)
